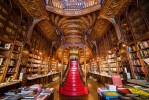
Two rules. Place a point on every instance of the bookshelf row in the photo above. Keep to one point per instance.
(131, 53)
(18, 55)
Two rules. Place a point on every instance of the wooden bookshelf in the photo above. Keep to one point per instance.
(12, 38)
(39, 58)
(135, 34)
(110, 60)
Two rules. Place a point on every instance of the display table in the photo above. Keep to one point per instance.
(4, 87)
(44, 79)
(108, 95)
(143, 83)
(34, 92)
(95, 76)
(101, 78)
(104, 79)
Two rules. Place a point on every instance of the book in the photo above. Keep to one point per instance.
(123, 91)
(138, 92)
(41, 97)
(31, 95)
(15, 97)
(12, 92)
(110, 93)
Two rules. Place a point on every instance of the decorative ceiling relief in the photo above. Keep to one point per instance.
(74, 19)
(112, 7)
(73, 7)
(109, 10)
(37, 11)
(73, 28)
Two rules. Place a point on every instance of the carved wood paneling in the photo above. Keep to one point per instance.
(73, 13)
(110, 9)
(37, 11)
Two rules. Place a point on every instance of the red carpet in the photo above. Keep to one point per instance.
(73, 85)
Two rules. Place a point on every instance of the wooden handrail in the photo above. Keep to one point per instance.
(81, 73)
(64, 75)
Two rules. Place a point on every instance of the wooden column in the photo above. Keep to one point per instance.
(85, 63)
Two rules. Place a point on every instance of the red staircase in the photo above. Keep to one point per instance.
(73, 85)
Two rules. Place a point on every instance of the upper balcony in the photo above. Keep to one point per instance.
(72, 7)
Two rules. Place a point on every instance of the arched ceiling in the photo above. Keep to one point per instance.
(73, 28)
(37, 11)
(75, 22)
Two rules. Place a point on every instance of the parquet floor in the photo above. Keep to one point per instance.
(93, 85)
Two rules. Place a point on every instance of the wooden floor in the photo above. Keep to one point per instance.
(93, 85)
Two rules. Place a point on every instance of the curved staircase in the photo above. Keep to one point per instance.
(73, 85)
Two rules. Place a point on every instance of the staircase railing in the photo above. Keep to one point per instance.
(82, 76)
(65, 73)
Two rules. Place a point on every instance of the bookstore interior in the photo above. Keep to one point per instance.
(68, 49)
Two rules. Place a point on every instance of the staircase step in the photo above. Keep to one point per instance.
(73, 85)
(73, 93)
(75, 89)
(73, 81)
(73, 78)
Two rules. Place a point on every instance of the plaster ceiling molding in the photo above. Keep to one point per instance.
(72, 31)
(71, 13)
(57, 19)
(85, 20)
(68, 31)
(72, 20)
(47, 28)
(73, 36)
(37, 11)
(66, 25)
(109, 10)
(90, 19)
(100, 27)
(74, 41)
(74, 25)
(112, 7)
(34, 8)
